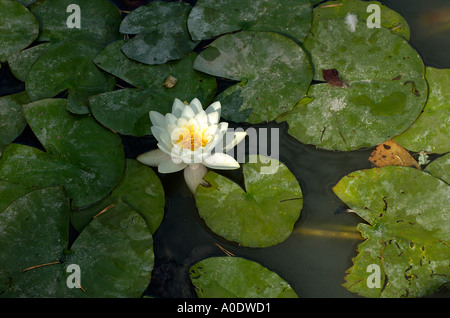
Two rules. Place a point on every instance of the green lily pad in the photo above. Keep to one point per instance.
(126, 110)
(18, 28)
(340, 8)
(9, 192)
(440, 168)
(376, 89)
(80, 154)
(262, 214)
(12, 121)
(274, 74)
(431, 131)
(99, 21)
(114, 253)
(408, 231)
(68, 65)
(162, 32)
(21, 62)
(140, 189)
(211, 18)
(235, 277)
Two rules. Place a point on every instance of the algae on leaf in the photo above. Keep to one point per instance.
(407, 231)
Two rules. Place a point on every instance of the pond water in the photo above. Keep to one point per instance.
(324, 241)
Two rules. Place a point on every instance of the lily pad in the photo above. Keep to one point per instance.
(126, 110)
(431, 131)
(378, 89)
(235, 277)
(68, 65)
(114, 253)
(18, 29)
(21, 62)
(273, 73)
(162, 32)
(80, 154)
(260, 215)
(9, 192)
(211, 18)
(140, 189)
(12, 121)
(440, 168)
(99, 21)
(340, 8)
(408, 231)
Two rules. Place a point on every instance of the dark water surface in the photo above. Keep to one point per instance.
(315, 257)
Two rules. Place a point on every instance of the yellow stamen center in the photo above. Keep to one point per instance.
(192, 138)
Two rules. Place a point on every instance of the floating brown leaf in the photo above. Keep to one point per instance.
(391, 153)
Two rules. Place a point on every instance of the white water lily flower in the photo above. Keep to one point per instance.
(186, 139)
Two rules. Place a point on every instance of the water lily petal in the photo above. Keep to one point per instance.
(221, 161)
(213, 118)
(177, 107)
(153, 158)
(196, 105)
(157, 119)
(187, 112)
(168, 166)
(214, 107)
(193, 174)
(202, 119)
(162, 136)
(238, 137)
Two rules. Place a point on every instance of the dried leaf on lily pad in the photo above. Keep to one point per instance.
(390, 153)
(80, 154)
(262, 214)
(114, 252)
(273, 71)
(211, 18)
(384, 92)
(235, 277)
(407, 231)
(18, 28)
(161, 30)
(431, 131)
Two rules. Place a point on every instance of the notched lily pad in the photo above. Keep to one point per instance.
(273, 73)
(211, 18)
(407, 235)
(162, 32)
(440, 168)
(126, 110)
(114, 253)
(80, 154)
(140, 189)
(235, 277)
(68, 65)
(384, 90)
(262, 214)
(18, 28)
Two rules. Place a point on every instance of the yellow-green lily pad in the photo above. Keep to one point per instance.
(235, 277)
(407, 231)
(261, 214)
